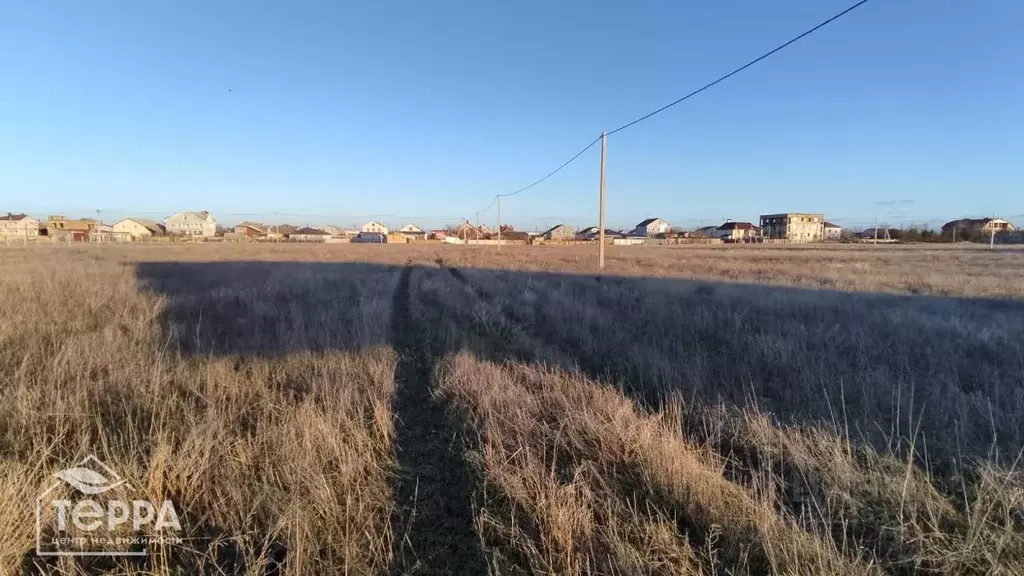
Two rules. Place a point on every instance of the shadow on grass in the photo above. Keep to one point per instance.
(262, 309)
(880, 369)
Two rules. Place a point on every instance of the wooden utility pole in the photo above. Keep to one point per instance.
(992, 235)
(600, 231)
(499, 223)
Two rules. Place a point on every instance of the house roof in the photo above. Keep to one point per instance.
(411, 228)
(831, 225)
(202, 215)
(967, 222)
(375, 222)
(14, 217)
(870, 232)
(254, 225)
(147, 224)
(307, 231)
(553, 228)
(737, 226)
(647, 222)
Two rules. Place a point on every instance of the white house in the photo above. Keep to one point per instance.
(18, 226)
(651, 226)
(559, 232)
(333, 230)
(412, 232)
(832, 231)
(138, 228)
(192, 224)
(374, 227)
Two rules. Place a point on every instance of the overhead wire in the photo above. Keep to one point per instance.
(686, 97)
(721, 79)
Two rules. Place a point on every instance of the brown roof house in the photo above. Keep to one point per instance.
(737, 232)
(308, 234)
(18, 226)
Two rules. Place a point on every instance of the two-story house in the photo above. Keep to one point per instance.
(374, 227)
(18, 226)
(651, 227)
(192, 224)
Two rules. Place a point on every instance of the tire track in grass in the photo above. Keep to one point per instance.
(433, 520)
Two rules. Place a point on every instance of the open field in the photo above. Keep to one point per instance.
(443, 409)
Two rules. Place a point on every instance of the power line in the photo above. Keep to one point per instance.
(556, 170)
(546, 176)
(742, 68)
(684, 98)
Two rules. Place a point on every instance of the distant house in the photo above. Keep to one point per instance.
(138, 228)
(281, 230)
(250, 229)
(593, 233)
(559, 232)
(737, 232)
(793, 226)
(18, 226)
(333, 230)
(468, 231)
(437, 234)
(67, 229)
(192, 224)
(650, 227)
(370, 238)
(705, 231)
(879, 235)
(832, 232)
(106, 233)
(968, 227)
(374, 227)
(308, 235)
(412, 231)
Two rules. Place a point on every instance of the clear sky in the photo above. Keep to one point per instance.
(904, 110)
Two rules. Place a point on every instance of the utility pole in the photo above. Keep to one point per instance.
(876, 230)
(600, 231)
(992, 233)
(499, 223)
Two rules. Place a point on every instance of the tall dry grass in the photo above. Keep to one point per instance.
(747, 492)
(274, 463)
(424, 409)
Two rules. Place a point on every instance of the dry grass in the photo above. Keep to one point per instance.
(262, 456)
(363, 409)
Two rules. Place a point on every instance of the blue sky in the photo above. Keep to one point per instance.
(905, 110)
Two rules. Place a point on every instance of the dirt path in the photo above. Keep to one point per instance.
(433, 518)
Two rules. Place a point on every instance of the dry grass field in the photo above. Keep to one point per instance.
(352, 409)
